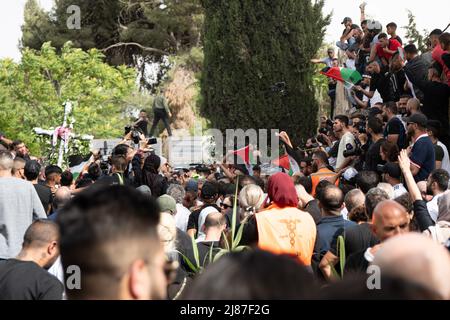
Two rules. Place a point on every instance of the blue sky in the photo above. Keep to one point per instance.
(430, 14)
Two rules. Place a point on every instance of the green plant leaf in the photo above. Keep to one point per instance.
(241, 248)
(227, 244)
(195, 250)
(189, 263)
(341, 246)
(220, 254)
(238, 236)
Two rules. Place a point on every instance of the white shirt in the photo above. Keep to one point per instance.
(347, 140)
(433, 208)
(399, 189)
(446, 160)
(375, 99)
(57, 270)
(182, 217)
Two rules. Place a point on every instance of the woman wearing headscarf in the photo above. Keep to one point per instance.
(282, 228)
(151, 177)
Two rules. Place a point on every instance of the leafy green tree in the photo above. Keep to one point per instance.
(257, 71)
(413, 35)
(33, 93)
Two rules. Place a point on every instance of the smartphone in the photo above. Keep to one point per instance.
(151, 141)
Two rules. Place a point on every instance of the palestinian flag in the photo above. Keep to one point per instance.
(288, 163)
(348, 76)
(246, 158)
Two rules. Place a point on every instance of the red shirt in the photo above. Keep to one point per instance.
(437, 56)
(393, 46)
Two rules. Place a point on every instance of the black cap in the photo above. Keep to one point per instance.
(419, 119)
(52, 169)
(346, 19)
(209, 190)
(393, 170)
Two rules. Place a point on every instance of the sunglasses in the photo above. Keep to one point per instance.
(225, 206)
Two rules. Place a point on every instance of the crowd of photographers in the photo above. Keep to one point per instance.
(367, 197)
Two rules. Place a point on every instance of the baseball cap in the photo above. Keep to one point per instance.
(346, 19)
(374, 25)
(167, 204)
(209, 190)
(392, 169)
(418, 118)
(191, 185)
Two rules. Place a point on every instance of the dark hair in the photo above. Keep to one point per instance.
(354, 287)
(305, 182)
(382, 35)
(406, 201)
(245, 180)
(441, 177)
(100, 222)
(374, 197)
(411, 48)
(342, 118)
(94, 171)
(358, 214)
(331, 198)
(366, 180)
(445, 39)
(363, 22)
(436, 32)
(437, 68)
(391, 150)
(52, 169)
(40, 232)
(66, 178)
(119, 162)
(252, 275)
(375, 124)
(143, 111)
(322, 155)
(405, 95)
(120, 149)
(32, 170)
(392, 106)
(391, 25)
(321, 186)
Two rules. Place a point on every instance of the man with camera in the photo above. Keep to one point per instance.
(142, 122)
(346, 143)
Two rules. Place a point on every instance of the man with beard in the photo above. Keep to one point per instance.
(21, 150)
(394, 131)
(422, 153)
(320, 169)
(437, 184)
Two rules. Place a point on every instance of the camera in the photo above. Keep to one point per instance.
(380, 168)
(323, 131)
(351, 151)
(135, 133)
(151, 141)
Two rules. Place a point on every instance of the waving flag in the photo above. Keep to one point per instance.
(348, 76)
(288, 163)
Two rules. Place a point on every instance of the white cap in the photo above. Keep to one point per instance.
(374, 25)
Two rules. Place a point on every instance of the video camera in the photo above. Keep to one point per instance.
(135, 133)
(351, 151)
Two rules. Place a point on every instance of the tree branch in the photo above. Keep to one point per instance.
(122, 44)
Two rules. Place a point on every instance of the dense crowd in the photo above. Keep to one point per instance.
(365, 216)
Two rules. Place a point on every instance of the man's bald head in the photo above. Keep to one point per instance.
(417, 259)
(215, 220)
(331, 200)
(389, 219)
(62, 196)
(40, 233)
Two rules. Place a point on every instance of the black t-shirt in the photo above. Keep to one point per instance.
(25, 280)
(45, 195)
(356, 263)
(438, 152)
(142, 125)
(373, 157)
(357, 238)
(395, 126)
(381, 82)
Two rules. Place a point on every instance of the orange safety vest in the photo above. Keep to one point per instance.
(287, 231)
(319, 176)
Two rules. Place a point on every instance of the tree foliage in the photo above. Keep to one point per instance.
(33, 92)
(257, 70)
(413, 35)
(131, 32)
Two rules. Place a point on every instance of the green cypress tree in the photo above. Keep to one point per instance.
(257, 72)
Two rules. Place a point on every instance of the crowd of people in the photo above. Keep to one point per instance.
(371, 191)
